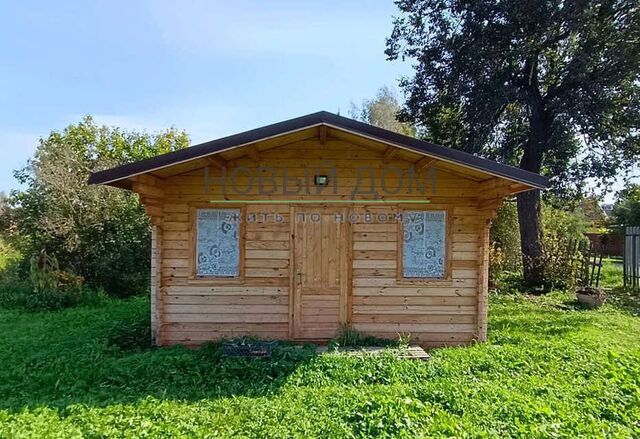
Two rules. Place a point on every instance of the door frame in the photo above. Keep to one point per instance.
(346, 272)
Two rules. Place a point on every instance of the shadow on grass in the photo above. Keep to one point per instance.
(80, 357)
(620, 298)
(626, 300)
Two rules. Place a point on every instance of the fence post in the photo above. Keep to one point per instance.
(631, 261)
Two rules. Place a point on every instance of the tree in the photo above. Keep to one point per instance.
(98, 232)
(4, 211)
(382, 111)
(626, 210)
(552, 86)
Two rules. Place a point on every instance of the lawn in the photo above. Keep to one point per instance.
(550, 369)
(611, 273)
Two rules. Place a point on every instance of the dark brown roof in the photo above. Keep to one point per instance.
(310, 120)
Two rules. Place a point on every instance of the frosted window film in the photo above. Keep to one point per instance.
(424, 243)
(218, 242)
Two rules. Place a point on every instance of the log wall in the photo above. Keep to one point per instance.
(191, 310)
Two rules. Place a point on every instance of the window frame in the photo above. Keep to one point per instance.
(448, 244)
(193, 239)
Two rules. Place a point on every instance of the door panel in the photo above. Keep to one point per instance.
(320, 271)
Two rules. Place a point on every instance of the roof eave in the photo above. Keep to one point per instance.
(460, 158)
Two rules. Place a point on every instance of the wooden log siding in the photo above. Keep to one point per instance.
(434, 312)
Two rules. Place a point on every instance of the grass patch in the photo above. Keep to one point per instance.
(549, 370)
(611, 273)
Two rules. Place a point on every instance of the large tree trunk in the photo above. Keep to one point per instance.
(529, 208)
(529, 217)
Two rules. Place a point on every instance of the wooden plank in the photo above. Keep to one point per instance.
(376, 236)
(483, 284)
(411, 328)
(267, 254)
(368, 263)
(225, 318)
(375, 254)
(204, 299)
(225, 309)
(415, 291)
(369, 245)
(415, 318)
(267, 245)
(266, 263)
(234, 290)
(382, 302)
(267, 272)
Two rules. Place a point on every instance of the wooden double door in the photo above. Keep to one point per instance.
(321, 271)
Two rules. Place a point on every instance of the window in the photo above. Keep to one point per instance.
(218, 242)
(423, 246)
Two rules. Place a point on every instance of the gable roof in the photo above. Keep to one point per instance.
(111, 176)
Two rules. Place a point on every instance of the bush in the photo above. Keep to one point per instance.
(505, 257)
(98, 232)
(562, 235)
(16, 293)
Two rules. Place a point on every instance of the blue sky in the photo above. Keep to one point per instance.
(212, 68)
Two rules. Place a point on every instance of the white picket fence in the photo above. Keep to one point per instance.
(632, 257)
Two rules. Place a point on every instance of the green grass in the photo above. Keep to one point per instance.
(611, 273)
(550, 369)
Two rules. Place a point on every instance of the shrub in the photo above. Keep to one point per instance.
(41, 272)
(562, 235)
(98, 232)
(16, 293)
(9, 256)
(505, 255)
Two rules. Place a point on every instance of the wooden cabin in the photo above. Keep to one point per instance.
(292, 230)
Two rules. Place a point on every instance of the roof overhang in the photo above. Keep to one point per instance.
(119, 175)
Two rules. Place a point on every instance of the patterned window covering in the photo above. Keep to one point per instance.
(424, 244)
(218, 242)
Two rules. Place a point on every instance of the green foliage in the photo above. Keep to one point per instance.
(382, 111)
(8, 255)
(626, 210)
(547, 85)
(42, 273)
(505, 256)
(549, 370)
(352, 338)
(563, 236)
(97, 232)
(18, 294)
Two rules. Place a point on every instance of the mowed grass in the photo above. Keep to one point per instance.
(550, 369)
